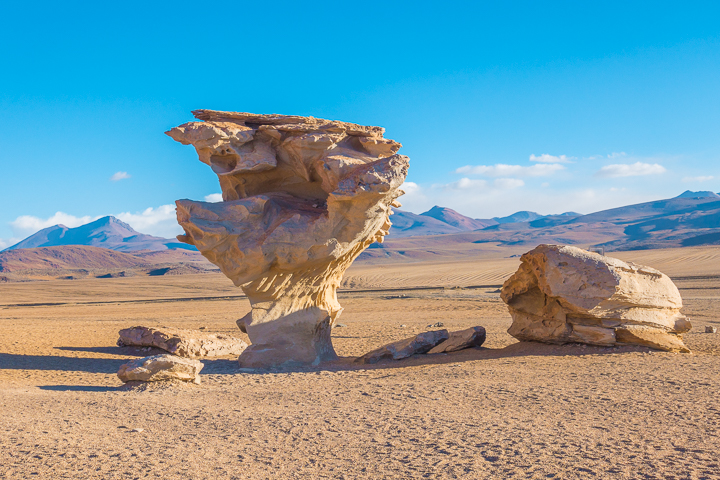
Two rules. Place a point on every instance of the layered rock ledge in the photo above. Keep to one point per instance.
(564, 294)
(302, 198)
(181, 342)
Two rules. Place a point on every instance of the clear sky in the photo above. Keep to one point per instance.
(501, 106)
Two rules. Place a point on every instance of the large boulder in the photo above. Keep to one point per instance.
(161, 368)
(421, 343)
(181, 342)
(564, 294)
(460, 340)
(302, 198)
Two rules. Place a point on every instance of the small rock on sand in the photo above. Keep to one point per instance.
(161, 367)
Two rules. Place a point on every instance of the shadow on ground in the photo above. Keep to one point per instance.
(519, 349)
(229, 366)
(127, 351)
(9, 361)
(77, 388)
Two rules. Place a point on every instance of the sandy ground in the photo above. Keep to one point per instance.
(507, 410)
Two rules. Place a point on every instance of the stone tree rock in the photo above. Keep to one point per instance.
(565, 294)
(302, 198)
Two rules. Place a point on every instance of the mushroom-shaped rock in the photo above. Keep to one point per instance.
(159, 368)
(302, 198)
(564, 294)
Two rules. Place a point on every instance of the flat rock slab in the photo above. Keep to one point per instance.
(161, 368)
(421, 343)
(650, 337)
(183, 343)
(460, 340)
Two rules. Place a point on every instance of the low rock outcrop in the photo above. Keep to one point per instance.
(564, 294)
(181, 342)
(302, 198)
(460, 340)
(421, 343)
(161, 368)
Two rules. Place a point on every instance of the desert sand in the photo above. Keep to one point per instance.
(505, 410)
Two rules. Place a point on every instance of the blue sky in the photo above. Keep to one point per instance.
(501, 106)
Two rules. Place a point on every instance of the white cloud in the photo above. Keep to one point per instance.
(507, 183)
(160, 221)
(616, 155)
(464, 184)
(698, 179)
(8, 242)
(214, 197)
(25, 225)
(502, 170)
(630, 170)
(119, 176)
(545, 185)
(546, 158)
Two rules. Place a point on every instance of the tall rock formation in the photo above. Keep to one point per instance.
(564, 294)
(302, 198)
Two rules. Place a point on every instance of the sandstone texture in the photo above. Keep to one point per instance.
(421, 343)
(302, 198)
(460, 340)
(159, 368)
(564, 294)
(184, 343)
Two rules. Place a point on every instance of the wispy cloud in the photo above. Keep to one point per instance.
(546, 158)
(117, 176)
(214, 197)
(25, 225)
(8, 242)
(630, 170)
(508, 183)
(503, 170)
(463, 184)
(160, 221)
(698, 179)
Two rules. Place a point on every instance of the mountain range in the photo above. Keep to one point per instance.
(690, 219)
(443, 220)
(106, 232)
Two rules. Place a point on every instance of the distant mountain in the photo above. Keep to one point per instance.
(705, 194)
(457, 220)
(107, 232)
(407, 224)
(517, 217)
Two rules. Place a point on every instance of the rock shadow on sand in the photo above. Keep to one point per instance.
(518, 349)
(10, 361)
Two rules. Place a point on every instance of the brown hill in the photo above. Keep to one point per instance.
(79, 261)
(68, 257)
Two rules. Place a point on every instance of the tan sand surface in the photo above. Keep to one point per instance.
(507, 410)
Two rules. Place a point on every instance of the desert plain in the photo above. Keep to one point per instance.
(508, 409)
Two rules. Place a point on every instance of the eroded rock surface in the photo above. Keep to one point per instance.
(564, 294)
(460, 340)
(159, 368)
(181, 342)
(302, 198)
(421, 343)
